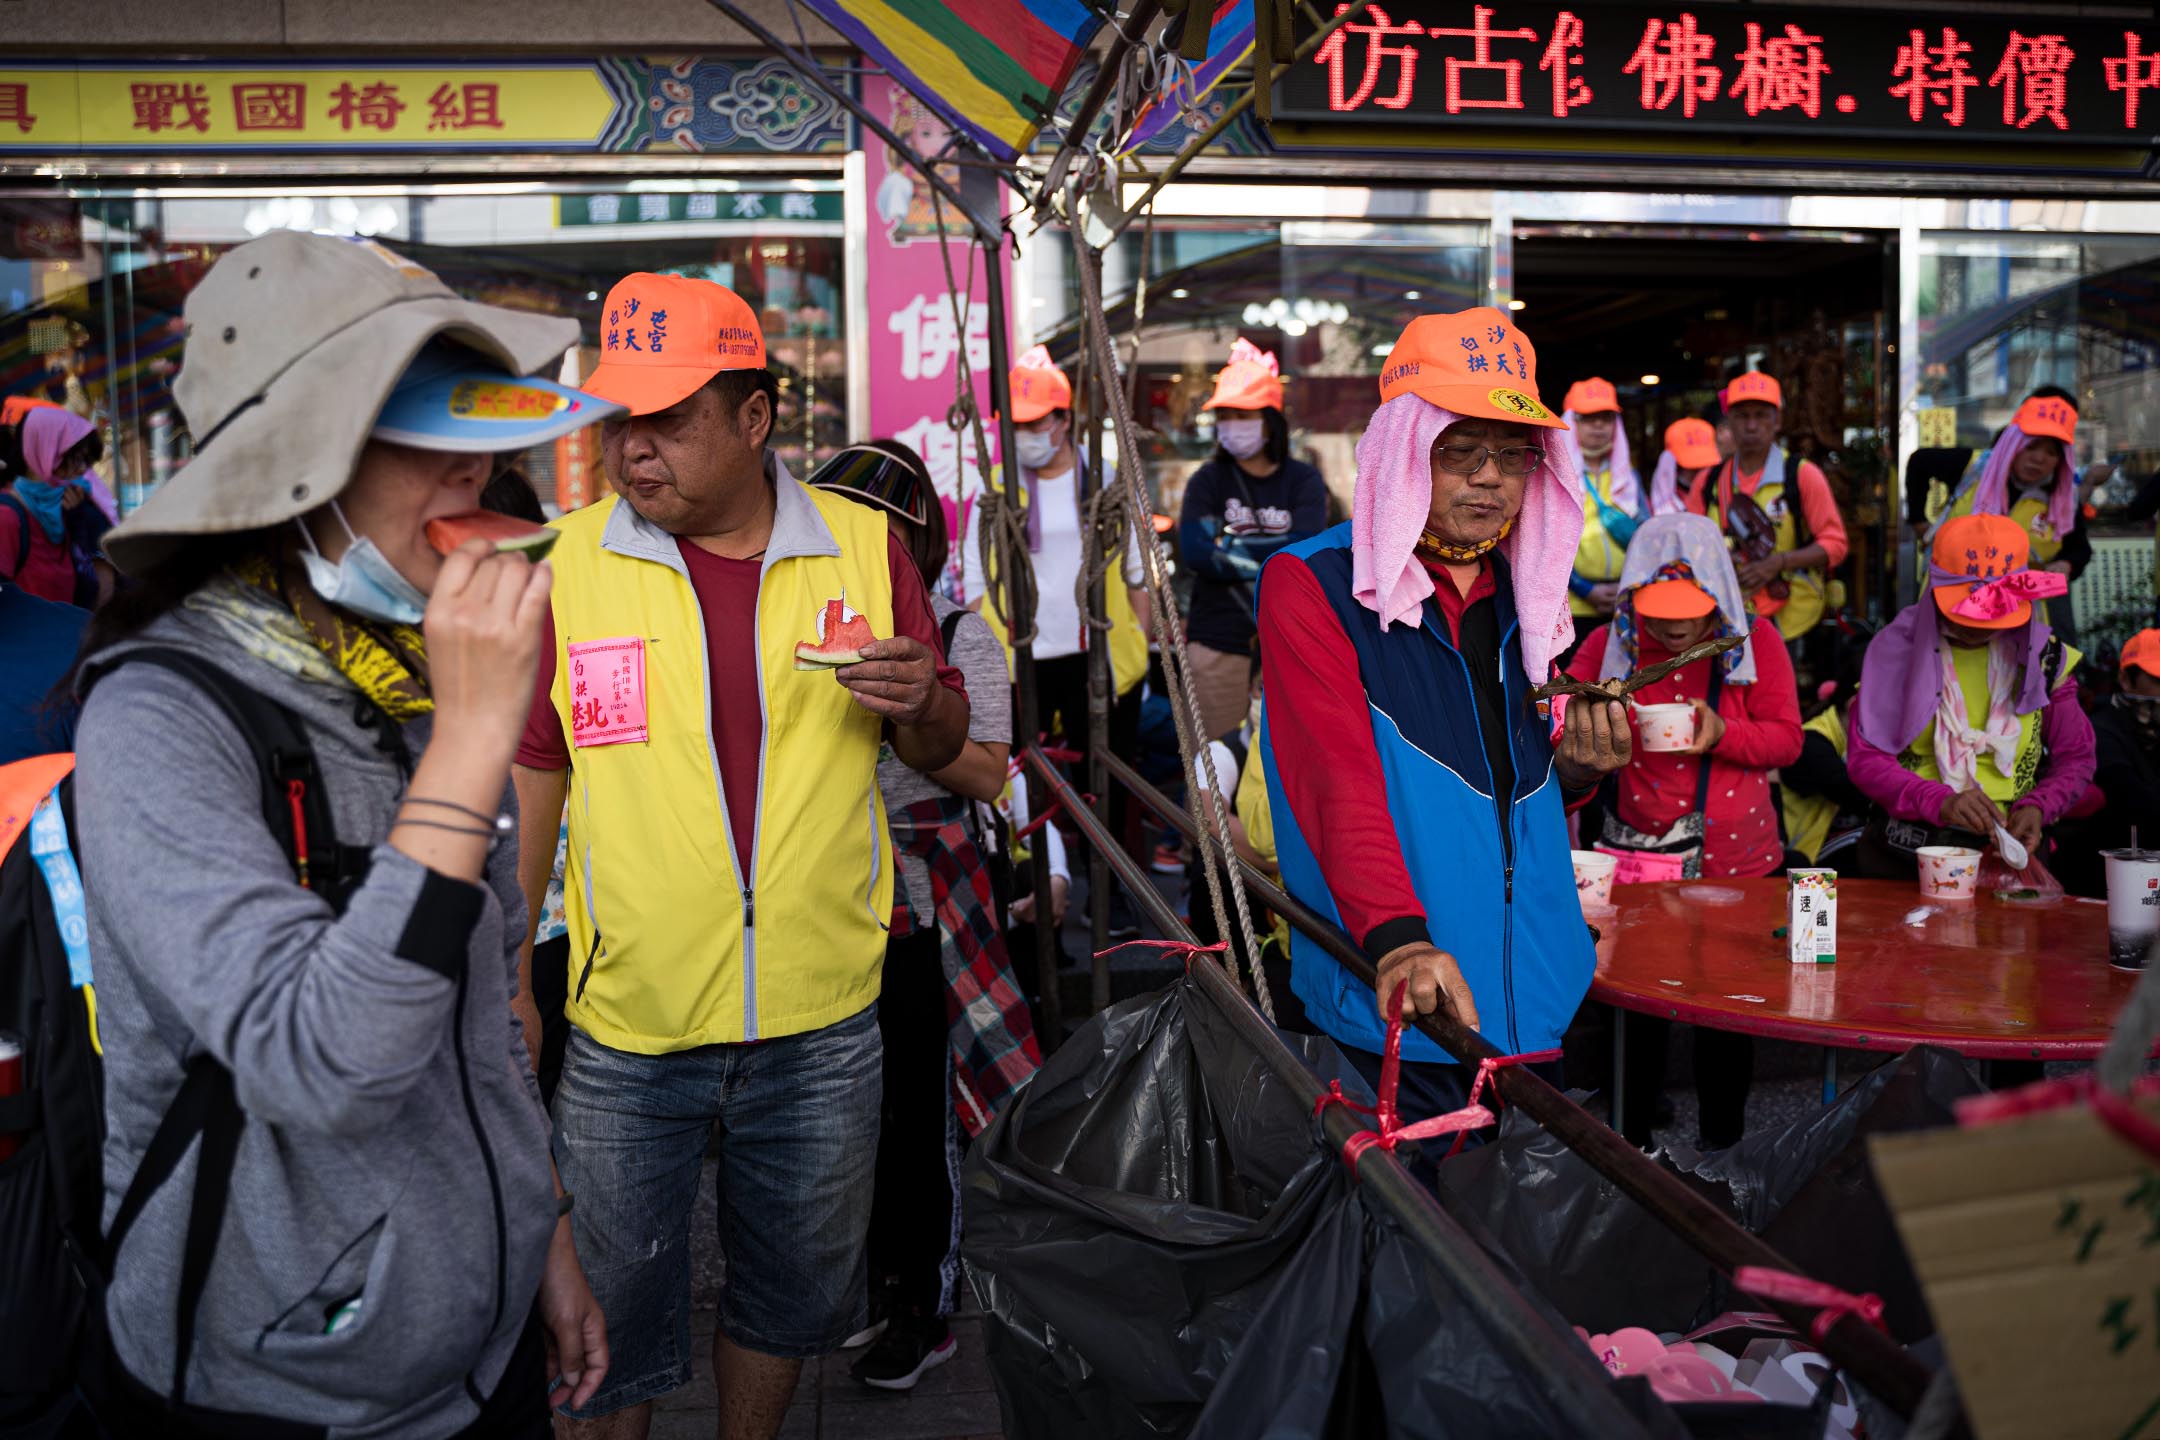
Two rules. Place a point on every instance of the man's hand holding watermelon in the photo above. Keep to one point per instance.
(897, 679)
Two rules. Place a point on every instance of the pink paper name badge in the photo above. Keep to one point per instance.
(607, 692)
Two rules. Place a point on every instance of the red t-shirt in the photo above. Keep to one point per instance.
(727, 594)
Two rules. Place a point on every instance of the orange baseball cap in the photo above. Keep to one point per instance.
(1038, 387)
(2047, 415)
(2141, 650)
(1754, 385)
(1693, 443)
(1475, 363)
(1592, 397)
(662, 336)
(1673, 600)
(1251, 381)
(1984, 547)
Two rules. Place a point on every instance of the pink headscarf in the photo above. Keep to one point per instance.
(1626, 485)
(1993, 497)
(49, 432)
(1394, 498)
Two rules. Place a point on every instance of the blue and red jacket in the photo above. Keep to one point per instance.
(1384, 755)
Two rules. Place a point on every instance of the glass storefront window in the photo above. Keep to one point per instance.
(94, 290)
(1326, 297)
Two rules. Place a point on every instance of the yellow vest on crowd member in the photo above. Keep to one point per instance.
(2031, 517)
(1254, 813)
(1128, 642)
(675, 942)
(1802, 609)
(1808, 818)
(1598, 557)
(1972, 678)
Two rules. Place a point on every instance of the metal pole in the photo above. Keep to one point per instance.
(1879, 1362)
(1829, 1075)
(1577, 1385)
(1092, 390)
(112, 350)
(1618, 1106)
(1222, 123)
(1052, 1011)
(1091, 104)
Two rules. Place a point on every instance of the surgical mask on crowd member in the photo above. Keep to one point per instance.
(1036, 447)
(363, 580)
(2144, 713)
(1242, 436)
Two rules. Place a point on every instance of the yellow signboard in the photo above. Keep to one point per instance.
(336, 107)
(1938, 428)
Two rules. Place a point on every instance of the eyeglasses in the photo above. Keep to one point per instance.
(1469, 459)
(875, 475)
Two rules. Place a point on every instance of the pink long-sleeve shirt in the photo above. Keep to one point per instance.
(2066, 767)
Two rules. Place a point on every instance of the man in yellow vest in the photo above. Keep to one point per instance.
(728, 649)
(1806, 540)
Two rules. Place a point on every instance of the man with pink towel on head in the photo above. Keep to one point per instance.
(1419, 799)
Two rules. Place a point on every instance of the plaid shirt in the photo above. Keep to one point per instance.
(993, 1035)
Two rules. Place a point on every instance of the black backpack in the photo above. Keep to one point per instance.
(52, 1191)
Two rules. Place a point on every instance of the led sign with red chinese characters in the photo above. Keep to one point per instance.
(1739, 69)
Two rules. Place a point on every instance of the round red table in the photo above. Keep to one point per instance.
(1987, 979)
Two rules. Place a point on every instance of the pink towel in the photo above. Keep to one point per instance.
(1394, 497)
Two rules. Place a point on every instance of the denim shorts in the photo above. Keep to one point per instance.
(798, 1129)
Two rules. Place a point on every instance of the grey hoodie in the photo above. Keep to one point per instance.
(395, 1149)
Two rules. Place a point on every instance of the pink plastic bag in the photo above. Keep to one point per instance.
(2033, 885)
(1637, 867)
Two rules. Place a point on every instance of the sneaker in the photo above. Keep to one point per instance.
(1124, 919)
(1169, 860)
(913, 1346)
(881, 1308)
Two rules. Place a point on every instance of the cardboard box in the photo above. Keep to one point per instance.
(1811, 916)
(2037, 1241)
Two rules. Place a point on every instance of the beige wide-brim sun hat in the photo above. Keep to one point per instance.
(294, 342)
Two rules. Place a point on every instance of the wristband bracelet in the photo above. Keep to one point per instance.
(487, 833)
(498, 822)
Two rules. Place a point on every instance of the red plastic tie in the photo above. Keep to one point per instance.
(1832, 1303)
(1174, 947)
(1057, 755)
(1390, 1131)
(296, 796)
(1049, 813)
(1485, 1069)
(2118, 1112)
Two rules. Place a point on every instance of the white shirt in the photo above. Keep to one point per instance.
(1058, 629)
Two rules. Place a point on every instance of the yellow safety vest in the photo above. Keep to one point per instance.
(1802, 609)
(1808, 818)
(1598, 557)
(1972, 678)
(674, 942)
(1128, 642)
(2031, 517)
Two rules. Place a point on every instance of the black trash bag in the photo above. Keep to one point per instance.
(1601, 1259)
(1810, 1192)
(1163, 1247)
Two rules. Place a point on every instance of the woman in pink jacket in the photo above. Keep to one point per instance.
(1707, 810)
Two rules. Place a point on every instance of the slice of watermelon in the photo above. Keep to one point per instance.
(841, 635)
(506, 533)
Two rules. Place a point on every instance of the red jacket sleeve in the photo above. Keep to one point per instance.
(1820, 507)
(1321, 729)
(1764, 733)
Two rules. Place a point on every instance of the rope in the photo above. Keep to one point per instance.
(1211, 816)
(1001, 535)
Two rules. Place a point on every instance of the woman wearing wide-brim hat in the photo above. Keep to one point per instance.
(392, 1258)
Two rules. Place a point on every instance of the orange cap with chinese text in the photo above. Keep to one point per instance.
(1754, 385)
(1980, 548)
(663, 336)
(1038, 387)
(1592, 397)
(1474, 362)
(2048, 415)
(2142, 652)
(1693, 443)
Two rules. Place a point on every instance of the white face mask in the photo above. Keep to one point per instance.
(1244, 437)
(1036, 448)
(363, 580)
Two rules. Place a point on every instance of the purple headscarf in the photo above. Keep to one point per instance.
(1901, 682)
(1993, 497)
(49, 432)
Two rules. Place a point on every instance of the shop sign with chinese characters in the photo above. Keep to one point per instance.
(1734, 70)
(763, 207)
(341, 106)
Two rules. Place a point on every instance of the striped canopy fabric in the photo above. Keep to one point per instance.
(1230, 44)
(991, 68)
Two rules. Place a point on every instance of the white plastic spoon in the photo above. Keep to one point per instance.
(2013, 853)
